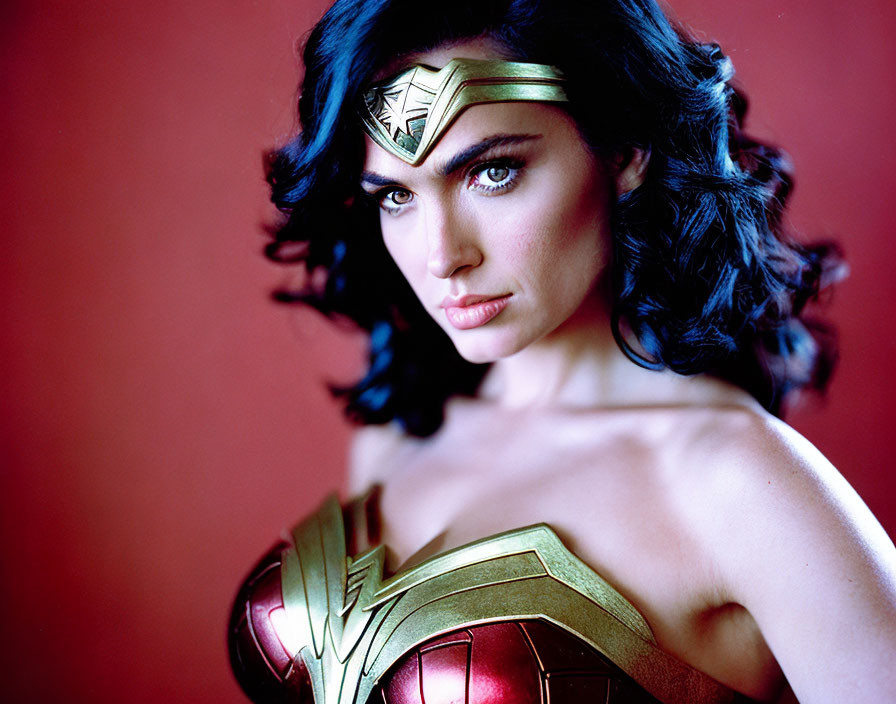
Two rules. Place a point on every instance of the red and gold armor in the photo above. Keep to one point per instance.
(512, 619)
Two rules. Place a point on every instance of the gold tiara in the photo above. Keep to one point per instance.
(406, 115)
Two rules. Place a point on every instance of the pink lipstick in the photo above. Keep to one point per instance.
(470, 312)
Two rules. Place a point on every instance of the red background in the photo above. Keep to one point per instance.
(162, 421)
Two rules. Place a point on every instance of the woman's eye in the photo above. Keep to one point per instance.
(399, 197)
(495, 177)
(394, 200)
(497, 174)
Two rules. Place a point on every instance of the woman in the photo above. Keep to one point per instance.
(584, 319)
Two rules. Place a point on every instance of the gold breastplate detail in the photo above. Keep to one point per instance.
(350, 625)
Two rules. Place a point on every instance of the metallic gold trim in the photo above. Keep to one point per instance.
(357, 625)
(407, 114)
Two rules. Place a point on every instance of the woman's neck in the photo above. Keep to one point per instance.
(579, 365)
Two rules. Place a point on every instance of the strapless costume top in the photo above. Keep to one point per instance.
(515, 618)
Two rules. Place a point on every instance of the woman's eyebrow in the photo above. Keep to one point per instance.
(376, 180)
(464, 157)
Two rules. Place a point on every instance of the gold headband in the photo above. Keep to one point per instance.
(406, 115)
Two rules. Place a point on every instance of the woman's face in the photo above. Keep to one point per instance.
(503, 230)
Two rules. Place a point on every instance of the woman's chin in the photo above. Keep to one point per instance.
(484, 348)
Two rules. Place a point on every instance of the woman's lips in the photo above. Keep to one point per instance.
(473, 311)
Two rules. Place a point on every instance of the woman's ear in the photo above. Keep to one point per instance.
(631, 169)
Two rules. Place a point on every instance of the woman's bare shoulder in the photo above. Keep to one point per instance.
(794, 543)
(760, 462)
(743, 451)
(761, 480)
(373, 454)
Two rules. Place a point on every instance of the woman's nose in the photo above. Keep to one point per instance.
(452, 242)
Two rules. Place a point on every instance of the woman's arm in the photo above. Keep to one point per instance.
(801, 551)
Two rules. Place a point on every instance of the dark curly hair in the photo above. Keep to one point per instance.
(703, 276)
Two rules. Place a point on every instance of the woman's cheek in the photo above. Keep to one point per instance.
(523, 237)
(403, 247)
